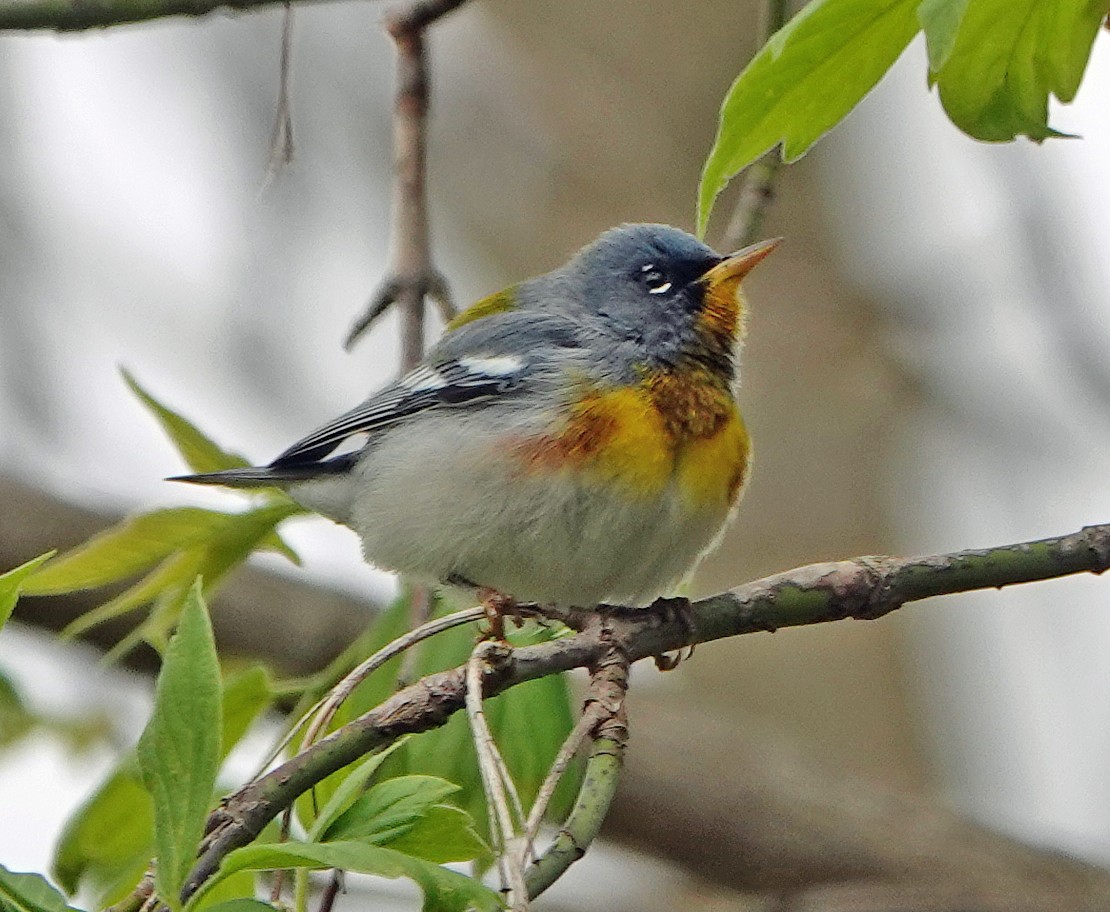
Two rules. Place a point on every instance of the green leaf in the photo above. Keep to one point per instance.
(16, 720)
(126, 549)
(109, 836)
(349, 789)
(179, 752)
(389, 809)
(193, 543)
(444, 890)
(14, 581)
(810, 74)
(198, 451)
(1009, 56)
(444, 833)
(246, 696)
(941, 21)
(235, 891)
(241, 905)
(29, 893)
(244, 533)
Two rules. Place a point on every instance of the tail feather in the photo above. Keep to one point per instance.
(273, 475)
(253, 477)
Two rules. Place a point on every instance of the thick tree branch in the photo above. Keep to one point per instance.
(864, 588)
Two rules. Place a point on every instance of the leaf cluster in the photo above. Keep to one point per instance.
(995, 63)
(404, 812)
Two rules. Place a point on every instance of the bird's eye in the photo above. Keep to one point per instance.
(655, 279)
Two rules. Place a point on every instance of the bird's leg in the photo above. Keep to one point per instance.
(497, 605)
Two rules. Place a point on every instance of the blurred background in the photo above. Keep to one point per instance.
(926, 371)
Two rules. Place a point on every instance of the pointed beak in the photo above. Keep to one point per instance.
(737, 265)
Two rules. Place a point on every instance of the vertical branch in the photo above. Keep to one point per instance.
(410, 253)
(281, 138)
(605, 702)
(758, 189)
(411, 277)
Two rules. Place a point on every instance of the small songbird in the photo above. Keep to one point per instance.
(572, 440)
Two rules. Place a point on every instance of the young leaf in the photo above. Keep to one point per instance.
(234, 891)
(389, 809)
(109, 836)
(198, 451)
(29, 893)
(13, 582)
(179, 752)
(444, 890)
(350, 789)
(1009, 56)
(940, 19)
(444, 833)
(126, 549)
(246, 696)
(241, 905)
(810, 74)
(109, 839)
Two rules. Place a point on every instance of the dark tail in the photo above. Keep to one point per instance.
(271, 476)
(254, 477)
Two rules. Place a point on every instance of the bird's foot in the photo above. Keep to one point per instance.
(497, 606)
(670, 611)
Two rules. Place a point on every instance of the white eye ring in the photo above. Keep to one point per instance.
(653, 276)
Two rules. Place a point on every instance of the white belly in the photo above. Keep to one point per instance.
(467, 511)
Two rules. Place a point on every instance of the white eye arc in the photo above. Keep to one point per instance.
(656, 281)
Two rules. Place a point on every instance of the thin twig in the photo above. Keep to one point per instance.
(324, 711)
(331, 891)
(364, 669)
(758, 189)
(281, 138)
(863, 588)
(496, 782)
(591, 716)
(410, 275)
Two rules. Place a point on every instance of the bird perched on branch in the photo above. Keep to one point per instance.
(572, 440)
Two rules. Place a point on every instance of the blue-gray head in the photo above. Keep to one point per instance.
(663, 288)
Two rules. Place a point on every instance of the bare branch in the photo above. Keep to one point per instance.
(281, 138)
(864, 588)
(411, 278)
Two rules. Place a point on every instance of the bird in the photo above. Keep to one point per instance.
(574, 440)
